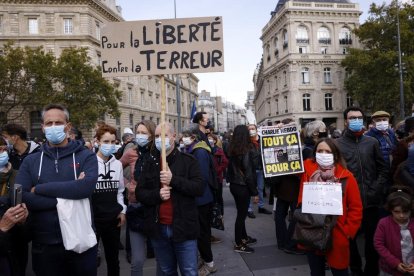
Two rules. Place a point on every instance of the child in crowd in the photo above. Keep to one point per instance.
(393, 237)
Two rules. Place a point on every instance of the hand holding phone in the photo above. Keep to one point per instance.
(17, 194)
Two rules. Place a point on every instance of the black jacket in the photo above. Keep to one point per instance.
(403, 176)
(364, 159)
(186, 184)
(242, 171)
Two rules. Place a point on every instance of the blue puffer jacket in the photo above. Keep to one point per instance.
(57, 180)
(388, 142)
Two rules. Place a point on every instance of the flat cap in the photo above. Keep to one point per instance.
(380, 114)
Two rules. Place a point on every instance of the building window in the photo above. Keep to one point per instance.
(305, 75)
(277, 106)
(268, 52)
(276, 84)
(324, 36)
(345, 51)
(151, 118)
(36, 124)
(118, 121)
(349, 101)
(33, 26)
(99, 58)
(98, 31)
(327, 75)
(345, 36)
(303, 49)
(129, 94)
(324, 50)
(67, 26)
(143, 118)
(1, 24)
(158, 121)
(286, 104)
(285, 39)
(284, 78)
(131, 120)
(306, 102)
(276, 45)
(302, 35)
(328, 101)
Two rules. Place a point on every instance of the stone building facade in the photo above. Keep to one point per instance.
(56, 25)
(300, 75)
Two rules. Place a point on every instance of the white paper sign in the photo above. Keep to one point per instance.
(322, 198)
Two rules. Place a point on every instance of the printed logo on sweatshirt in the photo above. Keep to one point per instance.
(105, 183)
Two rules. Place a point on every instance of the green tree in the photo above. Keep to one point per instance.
(31, 78)
(26, 76)
(373, 78)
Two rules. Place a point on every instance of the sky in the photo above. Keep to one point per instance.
(243, 21)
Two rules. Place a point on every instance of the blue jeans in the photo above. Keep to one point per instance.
(260, 188)
(168, 253)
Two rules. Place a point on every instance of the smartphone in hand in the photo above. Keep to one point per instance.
(17, 194)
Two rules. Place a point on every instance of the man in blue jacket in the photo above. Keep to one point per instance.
(63, 169)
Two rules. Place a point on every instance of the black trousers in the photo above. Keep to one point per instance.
(219, 196)
(241, 197)
(110, 233)
(54, 260)
(370, 218)
(203, 240)
(317, 266)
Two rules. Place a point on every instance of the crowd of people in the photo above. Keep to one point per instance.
(167, 206)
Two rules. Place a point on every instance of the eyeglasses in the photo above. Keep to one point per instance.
(355, 118)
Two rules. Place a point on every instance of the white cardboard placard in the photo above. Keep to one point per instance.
(322, 198)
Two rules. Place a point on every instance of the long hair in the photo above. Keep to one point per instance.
(150, 125)
(240, 143)
(338, 159)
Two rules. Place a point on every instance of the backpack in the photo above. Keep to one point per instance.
(314, 231)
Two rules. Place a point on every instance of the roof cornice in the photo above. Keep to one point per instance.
(95, 4)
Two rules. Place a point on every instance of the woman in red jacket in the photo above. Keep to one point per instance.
(327, 166)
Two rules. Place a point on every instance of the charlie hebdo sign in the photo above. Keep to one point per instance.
(281, 150)
(169, 46)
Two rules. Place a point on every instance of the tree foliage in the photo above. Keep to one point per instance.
(373, 78)
(31, 78)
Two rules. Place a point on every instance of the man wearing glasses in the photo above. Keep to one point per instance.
(364, 159)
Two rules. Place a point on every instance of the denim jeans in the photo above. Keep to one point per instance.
(168, 253)
(260, 188)
(284, 233)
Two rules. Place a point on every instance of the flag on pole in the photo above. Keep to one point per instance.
(193, 111)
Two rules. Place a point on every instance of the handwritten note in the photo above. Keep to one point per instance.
(322, 198)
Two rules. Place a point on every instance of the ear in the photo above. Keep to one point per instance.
(68, 127)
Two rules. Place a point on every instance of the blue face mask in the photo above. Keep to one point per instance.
(141, 139)
(158, 144)
(55, 134)
(107, 149)
(356, 125)
(4, 159)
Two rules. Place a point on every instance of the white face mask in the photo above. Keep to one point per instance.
(382, 125)
(187, 141)
(252, 132)
(211, 141)
(324, 159)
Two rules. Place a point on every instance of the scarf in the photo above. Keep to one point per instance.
(324, 174)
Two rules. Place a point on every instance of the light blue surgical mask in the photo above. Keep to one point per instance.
(4, 159)
(141, 139)
(107, 149)
(158, 144)
(55, 134)
(356, 125)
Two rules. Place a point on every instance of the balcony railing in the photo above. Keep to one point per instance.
(324, 41)
(345, 41)
(302, 40)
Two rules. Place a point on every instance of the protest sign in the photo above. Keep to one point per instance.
(281, 150)
(323, 198)
(168, 46)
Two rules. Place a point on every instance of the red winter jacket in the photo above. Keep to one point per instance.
(348, 224)
(220, 163)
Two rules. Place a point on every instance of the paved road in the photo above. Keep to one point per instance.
(266, 261)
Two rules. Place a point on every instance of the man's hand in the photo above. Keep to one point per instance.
(256, 199)
(81, 175)
(165, 193)
(12, 216)
(122, 219)
(165, 177)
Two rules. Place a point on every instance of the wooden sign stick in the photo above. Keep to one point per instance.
(163, 151)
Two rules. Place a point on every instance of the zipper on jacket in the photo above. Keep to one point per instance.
(362, 173)
(56, 160)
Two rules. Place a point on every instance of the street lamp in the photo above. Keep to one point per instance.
(400, 67)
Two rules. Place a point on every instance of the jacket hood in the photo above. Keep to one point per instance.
(60, 152)
(32, 146)
(202, 145)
